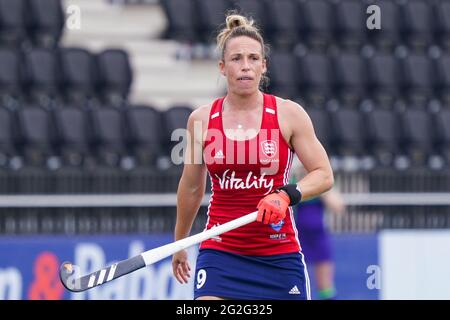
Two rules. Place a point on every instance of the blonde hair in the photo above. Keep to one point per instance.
(237, 25)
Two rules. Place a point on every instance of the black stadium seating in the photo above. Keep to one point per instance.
(350, 19)
(442, 23)
(72, 133)
(388, 36)
(145, 138)
(384, 78)
(441, 123)
(182, 24)
(350, 78)
(174, 118)
(383, 135)
(13, 22)
(42, 77)
(348, 132)
(322, 126)
(282, 23)
(108, 135)
(418, 23)
(443, 78)
(46, 22)
(316, 78)
(284, 77)
(78, 75)
(8, 147)
(10, 77)
(211, 15)
(115, 76)
(316, 18)
(417, 135)
(35, 136)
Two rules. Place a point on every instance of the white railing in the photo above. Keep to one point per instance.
(169, 200)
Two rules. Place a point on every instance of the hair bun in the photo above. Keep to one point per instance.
(236, 20)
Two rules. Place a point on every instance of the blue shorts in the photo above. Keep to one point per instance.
(232, 276)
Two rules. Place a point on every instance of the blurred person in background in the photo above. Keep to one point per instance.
(310, 219)
(263, 259)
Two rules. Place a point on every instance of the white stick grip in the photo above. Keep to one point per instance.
(157, 254)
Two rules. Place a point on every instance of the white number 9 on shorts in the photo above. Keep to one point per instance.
(201, 278)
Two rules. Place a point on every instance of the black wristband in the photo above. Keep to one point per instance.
(293, 192)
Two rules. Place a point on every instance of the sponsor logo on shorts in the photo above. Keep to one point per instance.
(294, 290)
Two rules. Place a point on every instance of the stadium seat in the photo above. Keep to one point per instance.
(384, 79)
(10, 78)
(42, 78)
(145, 144)
(144, 134)
(441, 121)
(110, 151)
(174, 118)
(417, 136)
(115, 76)
(316, 20)
(348, 137)
(211, 14)
(442, 19)
(443, 78)
(350, 23)
(316, 78)
(13, 22)
(36, 137)
(78, 75)
(283, 25)
(181, 17)
(254, 9)
(283, 74)
(383, 135)
(322, 127)
(350, 78)
(417, 79)
(72, 135)
(388, 37)
(418, 23)
(8, 148)
(108, 136)
(46, 22)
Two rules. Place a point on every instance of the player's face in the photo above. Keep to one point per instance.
(243, 65)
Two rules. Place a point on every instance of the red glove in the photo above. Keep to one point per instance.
(272, 208)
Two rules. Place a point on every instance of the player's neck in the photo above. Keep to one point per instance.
(234, 102)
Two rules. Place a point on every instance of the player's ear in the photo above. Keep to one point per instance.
(222, 67)
(264, 66)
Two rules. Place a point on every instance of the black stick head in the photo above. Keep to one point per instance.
(67, 277)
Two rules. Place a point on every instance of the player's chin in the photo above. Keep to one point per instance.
(246, 89)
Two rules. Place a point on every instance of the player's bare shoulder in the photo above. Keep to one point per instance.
(201, 113)
(289, 108)
(199, 119)
(291, 115)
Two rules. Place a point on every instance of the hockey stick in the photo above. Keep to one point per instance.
(77, 284)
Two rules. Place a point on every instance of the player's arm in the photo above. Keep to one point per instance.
(191, 187)
(191, 190)
(297, 126)
(311, 153)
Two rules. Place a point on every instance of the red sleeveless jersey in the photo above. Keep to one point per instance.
(242, 173)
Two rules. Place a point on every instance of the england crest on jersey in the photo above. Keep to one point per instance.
(269, 148)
